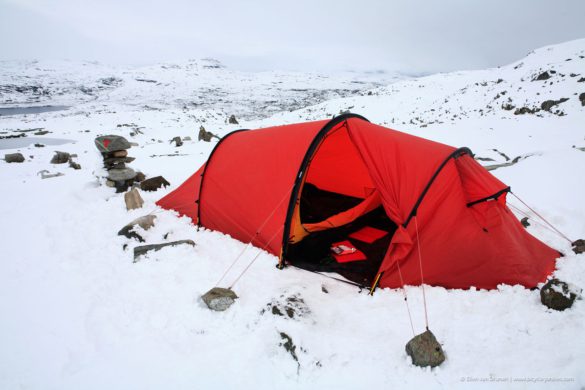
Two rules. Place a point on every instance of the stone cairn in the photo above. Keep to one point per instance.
(114, 150)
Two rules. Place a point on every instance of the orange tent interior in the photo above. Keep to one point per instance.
(338, 198)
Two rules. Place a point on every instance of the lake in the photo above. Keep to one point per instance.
(15, 143)
(5, 111)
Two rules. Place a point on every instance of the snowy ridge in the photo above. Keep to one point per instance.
(195, 84)
(78, 313)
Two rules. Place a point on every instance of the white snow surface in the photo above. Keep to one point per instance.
(77, 313)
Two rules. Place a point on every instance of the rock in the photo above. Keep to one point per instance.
(154, 183)
(145, 222)
(119, 153)
(133, 199)
(219, 299)
(205, 135)
(121, 174)
(177, 140)
(186, 138)
(578, 246)
(582, 99)
(139, 177)
(289, 346)
(14, 158)
(543, 76)
(524, 222)
(525, 110)
(232, 120)
(556, 295)
(548, 104)
(47, 175)
(425, 350)
(110, 183)
(117, 162)
(60, 158)
(141, 250)
(293, 307)
(74, 165)
(111, 143)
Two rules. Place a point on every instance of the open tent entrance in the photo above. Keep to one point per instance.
(339, 203)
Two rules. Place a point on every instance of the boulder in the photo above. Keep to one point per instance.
(548, 104)
(14, 158)
(582, 98)
(543, 76)
(219, 299)
(556, 295)
(74, 165)
(133, 199)
(139, 177)
(578, 246)
(154, 183)
(177, 140)
(60, 158)
(145, 222)
(141, 250)
(205, 135)
(232, 120)
(425, 350)
(121, 174)
(111, 143)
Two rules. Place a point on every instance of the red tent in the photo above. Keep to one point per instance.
(296, 190)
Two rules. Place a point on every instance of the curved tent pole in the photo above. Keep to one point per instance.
(198, 200)
(457, 153)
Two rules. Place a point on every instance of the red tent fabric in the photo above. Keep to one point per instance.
(250, 188)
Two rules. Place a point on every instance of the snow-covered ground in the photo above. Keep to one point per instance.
(76, 312)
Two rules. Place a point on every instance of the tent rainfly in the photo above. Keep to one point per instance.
(390, 197)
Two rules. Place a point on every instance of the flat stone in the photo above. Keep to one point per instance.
(154, 183)
(122, 174)
(556, 295)
(115, 160)
(111, 143)
(14, 158)
(141, 250)
(425, 350)
(119, 153)
(133, 199)
(219, 299)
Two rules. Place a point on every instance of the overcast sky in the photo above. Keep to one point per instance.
(409, 36)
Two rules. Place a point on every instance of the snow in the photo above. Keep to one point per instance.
(78, 313)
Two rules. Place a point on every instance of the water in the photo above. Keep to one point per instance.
(15, 143)
(5, 111)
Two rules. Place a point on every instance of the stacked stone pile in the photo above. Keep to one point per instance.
(114, 150)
